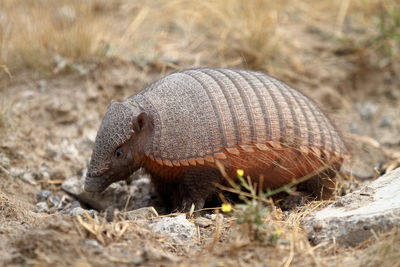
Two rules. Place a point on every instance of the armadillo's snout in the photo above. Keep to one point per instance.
(96, 180)
(95, 184)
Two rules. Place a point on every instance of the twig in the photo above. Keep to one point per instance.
(48, 181)
(4, 170)
(6, 70)
(344, 6)
(311, 250)
(291, 254)
(218, 227)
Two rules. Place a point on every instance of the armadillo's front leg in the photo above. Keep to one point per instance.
(196, 187)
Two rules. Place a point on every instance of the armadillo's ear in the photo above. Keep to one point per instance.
(140, 122)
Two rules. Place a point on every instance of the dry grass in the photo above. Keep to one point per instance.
(35, 34)
(105, 232)
(281, 243)
(383, 250)
(235, 33)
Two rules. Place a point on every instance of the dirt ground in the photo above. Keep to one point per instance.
(48, 124)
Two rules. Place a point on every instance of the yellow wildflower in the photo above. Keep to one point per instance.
(226, 207)
(277, 231)
(240, 172)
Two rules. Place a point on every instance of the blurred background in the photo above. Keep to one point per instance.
(290, 38)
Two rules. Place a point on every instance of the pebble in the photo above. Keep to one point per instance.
(368, 110)
(211, 216)
(44, 173)
(208, 233)
(42, 84)
(354, 128)
(92, 213)
(137, 260)
(25, 176)
(74, 209)
(73, 186)
(43, 195)
(54, 201)
(4, 161)
(146, 213)
(41, 207)
(15, 172)
(29, 177)
(203, 222)
(91, 242)
(65, 200)
(91, 136)
(386, 122)
(77, 211)
(73, 204)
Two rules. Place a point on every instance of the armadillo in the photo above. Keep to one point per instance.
(180, 126)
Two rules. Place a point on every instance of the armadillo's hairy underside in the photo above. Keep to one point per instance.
(178, 127)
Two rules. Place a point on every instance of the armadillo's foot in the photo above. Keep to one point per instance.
(292, 201)
(321, 185)
(186, 205)
(194, 187)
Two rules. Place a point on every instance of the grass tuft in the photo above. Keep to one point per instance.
(105, 232)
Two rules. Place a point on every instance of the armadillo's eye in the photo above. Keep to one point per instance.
(118, 152)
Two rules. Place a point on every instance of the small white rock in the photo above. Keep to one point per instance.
(25, 176)
(211, 216)
(91, 242)
(44, 173)
(41, 207)
(4, 161)
(203, 222)
(180, 229)
(43, 195)
(78, 211)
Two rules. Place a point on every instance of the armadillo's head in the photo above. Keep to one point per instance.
(115, 155)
